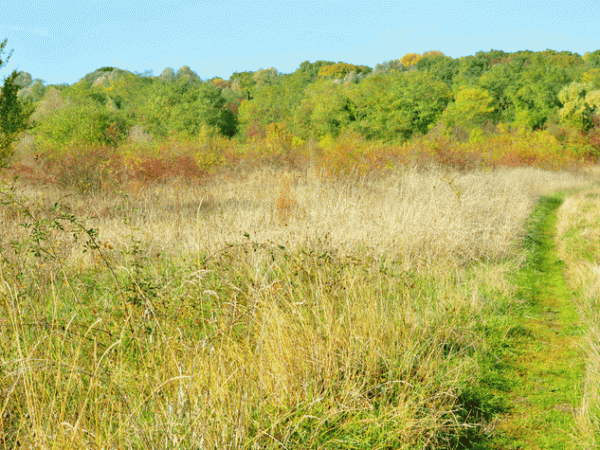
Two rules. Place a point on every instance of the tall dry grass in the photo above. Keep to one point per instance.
(271, 309)
(469, 216)
(579, 246)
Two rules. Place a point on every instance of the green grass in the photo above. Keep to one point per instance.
(543, 365)
(261, 344)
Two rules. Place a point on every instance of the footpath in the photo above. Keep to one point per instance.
(543, 366)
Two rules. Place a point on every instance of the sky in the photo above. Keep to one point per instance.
(60, 41)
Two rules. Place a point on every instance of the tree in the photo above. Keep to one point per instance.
(472, 108)
(310, 71)
(470, 68)
(183, 107)
(14, 116)
(323, 110)
(34, 93)
(534, 93)
(341, 69)
(187, 74)
(83, 122)
(243, 84)
(396, 106)
(410, 59)
(272, 103)
(167, 75)
(391, 66)
(443, 68)
(2, 46)
(580, 102)
(265, 77)
(24, 80)
(592, 76)
(592, 59)
(496, 82)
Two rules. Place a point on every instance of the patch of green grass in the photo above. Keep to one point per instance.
(543, 366)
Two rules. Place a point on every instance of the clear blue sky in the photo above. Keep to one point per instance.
(62, 40)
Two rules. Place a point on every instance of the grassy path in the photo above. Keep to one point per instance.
(544, 367)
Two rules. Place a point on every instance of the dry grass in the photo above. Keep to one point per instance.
(469, 216)
(267, 310)
(579, 246)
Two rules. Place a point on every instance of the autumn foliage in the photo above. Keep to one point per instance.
(486, 110)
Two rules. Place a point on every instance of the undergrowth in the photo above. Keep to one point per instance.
(246, 341)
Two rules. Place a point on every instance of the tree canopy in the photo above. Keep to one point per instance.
(400, 98)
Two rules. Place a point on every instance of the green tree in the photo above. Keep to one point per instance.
(3, 62)
(470, 68)
(310, 71)
(592, 59)
(323, 110)
(496, 82)
(33, 93)
(397, 106)
(580, 102)
(82, 122)
(592, 76)
(183, 106)
(187, 74)
(14, 116)
(265, 77)
(243, 84)
(24, 80)
(442, 67)
(341, 69)
(391, 66)
(272, 103)
(167, 75)
(472, 108)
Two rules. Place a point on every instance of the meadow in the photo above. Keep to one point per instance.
(271, 304)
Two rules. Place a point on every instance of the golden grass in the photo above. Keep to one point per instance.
(272, 309)
(579, 246)
(470, 216)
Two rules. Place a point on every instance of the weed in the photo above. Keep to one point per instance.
(189, 324)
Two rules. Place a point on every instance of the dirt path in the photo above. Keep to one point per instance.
(544, 364)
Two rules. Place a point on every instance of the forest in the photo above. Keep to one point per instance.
(346, 114)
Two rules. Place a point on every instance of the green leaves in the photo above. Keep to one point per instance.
(13, 116)
(184, 107)
(323, 110)
(397, 106)
(580, 101)
(84, 122)
(472, 108)
(341, 69)
(401, 98)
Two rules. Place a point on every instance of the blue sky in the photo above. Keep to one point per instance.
(61, 41)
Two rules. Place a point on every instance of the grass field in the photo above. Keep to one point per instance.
(579, 247)
(272, 308)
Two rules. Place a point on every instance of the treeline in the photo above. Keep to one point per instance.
(397, 100)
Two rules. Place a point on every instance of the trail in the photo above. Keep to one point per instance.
(544, 365)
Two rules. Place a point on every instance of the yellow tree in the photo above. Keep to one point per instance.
(592, 77)
(410, 59)
(580, 102)
(472, 108)
(341, 69)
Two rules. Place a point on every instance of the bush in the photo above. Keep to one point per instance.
(83, 123)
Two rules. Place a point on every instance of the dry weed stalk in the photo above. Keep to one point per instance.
(286, 201)
(357, 312)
